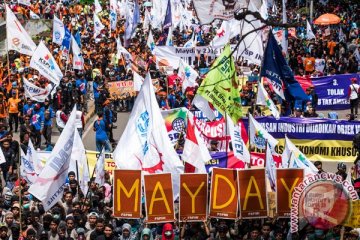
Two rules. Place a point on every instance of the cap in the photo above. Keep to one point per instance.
(80, 231)
(341, 166)
(15, 205)
(3, 225)
(93, 214)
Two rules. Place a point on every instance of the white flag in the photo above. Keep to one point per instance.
(192, 41)
(99, 169)
(98, 7)
(165, 56)
(241, 152)
(113, 14)
(25, 2)
(121, 50)
(188, 75)
(78, 60)
(58, 31)
(33, 157)
(258, 135)
(34, 15)
(17, 37)
(222, 36)
(270, 167)
(195, 151)
(203, 105)
(264, 100)
(34, 92)
(2, 157)
(27, 170)
(98, 26)
(49, 186)
(44, 62)
(150, 42)
(169, 39)
(78, 155)
(309, 32)
(151, 149)
(138, 81)
(342, 37)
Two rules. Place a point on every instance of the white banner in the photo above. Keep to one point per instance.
(44, 62)
(78, 60)
(17, 37)
(34, 92)
(49, 186)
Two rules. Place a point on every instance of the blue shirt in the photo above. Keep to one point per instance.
(100, 128)
(81, 85)
(107, 115)
(48, 122)
(37, 119)
(27, 110)
(96, 92)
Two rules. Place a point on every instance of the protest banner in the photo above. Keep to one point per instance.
(175, 122)
(159, 201)
(286, 181)
(121, 89)
(193, 197)
(127, 194)
(223, 194)
(318, 139)
(354, 218)
(252, 193)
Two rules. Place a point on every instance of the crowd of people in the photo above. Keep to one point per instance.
(89, 215)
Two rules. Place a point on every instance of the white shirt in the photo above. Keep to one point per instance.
(354, 89)
(59, 122)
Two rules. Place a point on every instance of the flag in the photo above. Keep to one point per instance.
(100, 169)
(188, 75)
(264, 99)
(150, 41)
(278, 72)
(78, 60)
(49, 186)
(121, 50)
(44, 62)
(151, 149)
(284, 40)
(2, 157)
(192, 41)
(270, 167)
(138, 81)
(195, 151)
(98, 7)
(166, 57)
(98, 26)
(222, 36)
(113, 14)
(204, 106)
(79, 161)
(34, 15)
(357, 55)
(241, 152)
(168, 16)
(17, 37)
(27, 170)
(342, 37)
(34, 92)
(78, 38)
(65, 46)
(258, 135)
(264, 10)
(25, 2)
(33, 157)
(58, 31)
(221, 86)
(132, 21)
(309, 32)
(169, 38)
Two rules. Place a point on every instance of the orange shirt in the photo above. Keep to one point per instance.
(309, 64)
(13, 104)
(331, 46)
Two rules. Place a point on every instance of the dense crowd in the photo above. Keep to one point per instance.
(89, 215)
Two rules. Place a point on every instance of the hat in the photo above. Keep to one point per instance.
(14, 84)
(3, 225)
(15, 205)
(298, 109)
(93, 214)
(80, 231)
(353, 79)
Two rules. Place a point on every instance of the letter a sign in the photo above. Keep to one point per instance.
(224, 194)
(159, 198)
(127, 193)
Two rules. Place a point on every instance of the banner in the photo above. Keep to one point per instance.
(318, 139)
(127, 194)
(354, 219)
(121, 89)
(223, 194)
(36, 93)
(159, 198)
(286, 181)
(193, 197)
(175, 122)
(252, 193)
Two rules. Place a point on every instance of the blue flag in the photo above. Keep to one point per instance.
(65, 46)
(168, 20)
(278, 72)
(132, 21)
(78, 38)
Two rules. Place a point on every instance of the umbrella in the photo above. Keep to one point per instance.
(327, 19)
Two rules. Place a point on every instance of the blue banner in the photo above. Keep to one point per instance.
(332, 91)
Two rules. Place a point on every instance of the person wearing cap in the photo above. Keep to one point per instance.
(13, 104)
(341, 167)
(353, 96)
(91, 222)
(214, 146)
(37, 122)
(3, 231)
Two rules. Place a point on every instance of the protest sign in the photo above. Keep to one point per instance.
(286, 181)
(252, 193)
(193, 197)
(121, 89)
(223, 194)
(159, 201)
(127, 194)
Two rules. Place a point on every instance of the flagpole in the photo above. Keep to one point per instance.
(249, 136)
(7, 46)
(266, 147)
(20, 197)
